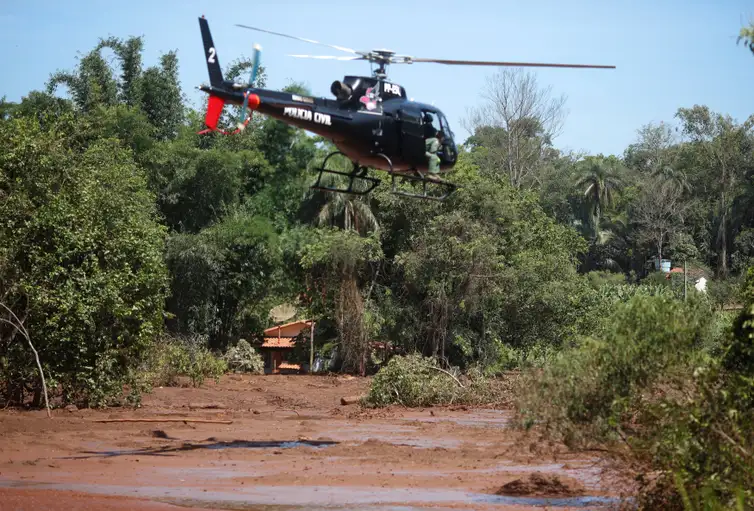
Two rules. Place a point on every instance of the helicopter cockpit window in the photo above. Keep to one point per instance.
(431, 124)
(446, 127)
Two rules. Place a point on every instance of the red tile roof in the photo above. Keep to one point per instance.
(288, 365)
(278, 342)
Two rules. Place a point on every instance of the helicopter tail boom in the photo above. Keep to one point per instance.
(210, 53)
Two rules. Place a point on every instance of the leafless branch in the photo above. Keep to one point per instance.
(659, 211)
(449, 374)
(21, 328)
(732, 442)
(526, 119)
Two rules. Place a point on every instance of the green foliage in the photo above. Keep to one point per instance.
(218, 273)
(90, 285)
(416, 381)
(592, 392)
(243, 358)
(169, 357)
(598, 279)
(747, 36)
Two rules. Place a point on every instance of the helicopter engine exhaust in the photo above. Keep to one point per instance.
(340, 90)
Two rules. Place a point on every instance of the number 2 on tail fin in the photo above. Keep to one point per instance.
(211, 58)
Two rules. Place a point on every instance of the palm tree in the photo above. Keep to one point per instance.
(348, 211)
(601, 182)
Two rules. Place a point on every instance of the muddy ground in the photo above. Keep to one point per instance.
(291, 445)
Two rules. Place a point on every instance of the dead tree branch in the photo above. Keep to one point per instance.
(449, 374)
(21, 328)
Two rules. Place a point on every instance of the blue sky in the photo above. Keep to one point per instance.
(669, 54)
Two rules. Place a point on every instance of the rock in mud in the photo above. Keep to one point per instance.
(540, 485)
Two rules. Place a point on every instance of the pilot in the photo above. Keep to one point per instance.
(431, 146)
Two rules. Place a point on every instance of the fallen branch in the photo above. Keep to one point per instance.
(216, 406)
(732, 442)
(21, 328)
(350, 400)
(449, 374)
(210, 421)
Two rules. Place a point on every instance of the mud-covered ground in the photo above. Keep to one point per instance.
(291, 445)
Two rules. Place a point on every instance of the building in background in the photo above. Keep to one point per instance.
(279, 342)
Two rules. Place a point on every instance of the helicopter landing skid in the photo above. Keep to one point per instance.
(359, 172)
(424, 180)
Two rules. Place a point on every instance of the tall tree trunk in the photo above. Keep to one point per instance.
(722, 264)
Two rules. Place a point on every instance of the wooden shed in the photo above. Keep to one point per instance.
(278, 343)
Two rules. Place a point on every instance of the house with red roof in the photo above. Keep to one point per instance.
(278, 344)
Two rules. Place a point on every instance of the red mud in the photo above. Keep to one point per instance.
(355, 458)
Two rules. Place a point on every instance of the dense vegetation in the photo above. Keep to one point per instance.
(134, 251)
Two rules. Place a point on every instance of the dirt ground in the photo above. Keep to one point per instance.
(291, 445)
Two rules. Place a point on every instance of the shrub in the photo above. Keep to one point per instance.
(171, 357)
(591, 393)
(414, 381)
(91, 286)
(243, 358)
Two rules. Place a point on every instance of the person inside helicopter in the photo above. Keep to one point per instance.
(432, 145)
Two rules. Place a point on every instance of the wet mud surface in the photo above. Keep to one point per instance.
(291, 446)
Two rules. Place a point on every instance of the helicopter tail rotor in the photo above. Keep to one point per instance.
(248, 96)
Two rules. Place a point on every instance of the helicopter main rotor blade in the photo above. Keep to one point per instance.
(341, 48)
(521, 64)
(325, 57)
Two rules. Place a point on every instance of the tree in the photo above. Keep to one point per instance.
(218, 273)
(155, 91)
(652, 153)
(82, 260)
(516, 125)
(600, 180)
(658, 212)
(347, 211)
(747, 36)
(724, 150)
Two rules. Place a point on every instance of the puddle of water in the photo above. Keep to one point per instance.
(321, 495)
(396, 435)
(547, 501)
(241, 444)
(587, 475)
(477, 418)
(188, 446)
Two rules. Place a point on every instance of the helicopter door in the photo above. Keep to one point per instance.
(412, 137)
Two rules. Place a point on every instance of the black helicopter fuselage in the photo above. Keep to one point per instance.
(371, 121)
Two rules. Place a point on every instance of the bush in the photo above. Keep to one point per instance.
(171, 357)
(243, 358)
(90, 286)
(592, 392)
(415, 381)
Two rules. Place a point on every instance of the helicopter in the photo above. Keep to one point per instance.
(371, 120)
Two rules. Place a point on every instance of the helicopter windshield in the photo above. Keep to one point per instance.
(445, 126)
(435, 121)
(431, 123)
